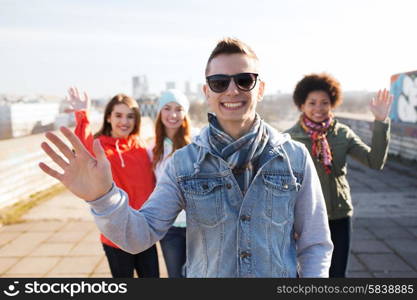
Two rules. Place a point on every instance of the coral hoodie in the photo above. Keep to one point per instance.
(130, 164)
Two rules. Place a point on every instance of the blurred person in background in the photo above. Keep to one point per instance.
(172, 132)
(131, 169)
(329, 143)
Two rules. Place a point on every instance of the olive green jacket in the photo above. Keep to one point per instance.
(343, 141)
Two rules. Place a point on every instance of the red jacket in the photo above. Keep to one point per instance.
(130, 164)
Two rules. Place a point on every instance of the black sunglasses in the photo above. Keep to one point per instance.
(219, 83)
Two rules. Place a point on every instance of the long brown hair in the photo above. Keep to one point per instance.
(120, 99)
(181, 138)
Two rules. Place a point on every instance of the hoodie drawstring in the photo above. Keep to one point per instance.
(120, 154)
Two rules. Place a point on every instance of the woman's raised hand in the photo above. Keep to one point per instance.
(85, 176)
(76, 102)
(381, 104)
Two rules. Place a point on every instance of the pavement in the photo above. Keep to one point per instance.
(58, 238)
(385, 221)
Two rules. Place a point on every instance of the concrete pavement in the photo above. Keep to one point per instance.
(385, 221)
(59, 239)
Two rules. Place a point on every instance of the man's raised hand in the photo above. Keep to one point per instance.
(85, 176)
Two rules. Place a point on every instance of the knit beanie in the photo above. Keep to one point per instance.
(176, 96)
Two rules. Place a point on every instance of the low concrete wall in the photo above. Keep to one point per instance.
(20, 175)
(403, 136)
(6, 131)
(24, 119)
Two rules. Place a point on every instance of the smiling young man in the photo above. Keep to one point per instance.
(247, 190)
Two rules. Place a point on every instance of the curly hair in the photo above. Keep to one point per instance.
(318, 82)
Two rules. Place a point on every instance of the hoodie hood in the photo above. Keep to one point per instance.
(119, 145)
(129, 142)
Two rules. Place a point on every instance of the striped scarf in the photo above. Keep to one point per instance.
(242, 153)
(318, 134)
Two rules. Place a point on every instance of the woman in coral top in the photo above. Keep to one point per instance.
(131, 169)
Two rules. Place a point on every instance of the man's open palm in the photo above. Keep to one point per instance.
(85, 176)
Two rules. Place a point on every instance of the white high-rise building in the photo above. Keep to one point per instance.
(140, 86)
(170, 85)
(187, 90)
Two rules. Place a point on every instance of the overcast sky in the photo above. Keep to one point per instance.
(48, 45)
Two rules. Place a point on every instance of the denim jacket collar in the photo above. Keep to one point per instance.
(276, 139)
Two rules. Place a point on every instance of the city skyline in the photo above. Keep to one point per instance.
(47, 46)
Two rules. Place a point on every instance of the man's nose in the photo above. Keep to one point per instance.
(232, 88)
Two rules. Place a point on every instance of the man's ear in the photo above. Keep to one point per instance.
(261, 90)
(206, 90)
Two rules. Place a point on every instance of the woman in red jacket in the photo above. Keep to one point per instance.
(131, 170)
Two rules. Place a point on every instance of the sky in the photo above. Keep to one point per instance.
(98, 45)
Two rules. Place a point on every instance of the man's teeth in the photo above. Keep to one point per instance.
(232, 105)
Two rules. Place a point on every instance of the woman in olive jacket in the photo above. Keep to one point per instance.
(329, 143)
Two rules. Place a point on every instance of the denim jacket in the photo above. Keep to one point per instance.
(230, 234)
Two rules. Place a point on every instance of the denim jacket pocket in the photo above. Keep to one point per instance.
(279, 190)
(204, 196)
(280, 182)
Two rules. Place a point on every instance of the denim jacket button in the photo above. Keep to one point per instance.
(205, 186)
(286, 186)
(245, 254)
(245, 218)
(228, 186)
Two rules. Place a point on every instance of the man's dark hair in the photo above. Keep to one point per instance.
(230, 46)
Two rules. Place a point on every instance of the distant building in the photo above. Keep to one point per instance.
(135, 86)
(187, 90)
(199, 93)
(140, 86)
(170, 85)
